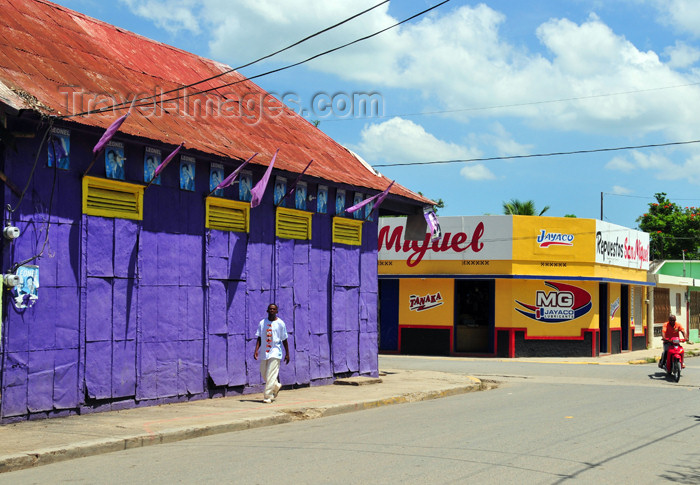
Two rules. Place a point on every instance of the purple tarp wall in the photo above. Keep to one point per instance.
(161, 310)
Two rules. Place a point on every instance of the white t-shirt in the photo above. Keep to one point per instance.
(271, 334)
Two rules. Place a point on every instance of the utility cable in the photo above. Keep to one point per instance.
(31, 174)
(534, 155)
(273, 71)
(517, 105)
(228, 71)
(50, 209)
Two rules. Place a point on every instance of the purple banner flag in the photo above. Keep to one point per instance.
(259, 189)
(113, 128)
(433, 224)
(293, 187)
(165, 162)
(378, 199)
(231, 178)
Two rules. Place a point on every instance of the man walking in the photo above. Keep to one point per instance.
(274, 331)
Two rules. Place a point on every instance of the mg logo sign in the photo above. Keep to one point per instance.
(561, 304)
(562, 299)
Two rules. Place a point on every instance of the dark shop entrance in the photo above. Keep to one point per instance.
(474, 316)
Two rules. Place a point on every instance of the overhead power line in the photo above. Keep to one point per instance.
(519, 105)
(260, 59)
(132, 104)
(534, 155)
(646, 197)
(329, 51)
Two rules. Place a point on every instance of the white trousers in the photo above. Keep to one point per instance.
(269, 370)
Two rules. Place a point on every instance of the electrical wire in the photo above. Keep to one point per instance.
(516, 105)
(535, 155)
(48, 215)
(121, 106)
(31, 174)
(126, 103)
(643, 196)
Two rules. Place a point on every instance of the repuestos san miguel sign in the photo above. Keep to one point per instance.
(463, 238)
(620, 246)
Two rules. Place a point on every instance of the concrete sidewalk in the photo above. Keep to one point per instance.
(34, 443)
(634, 357)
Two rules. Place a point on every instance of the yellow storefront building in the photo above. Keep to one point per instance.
(513, 286)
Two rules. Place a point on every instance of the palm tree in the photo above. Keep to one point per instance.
(517, 207)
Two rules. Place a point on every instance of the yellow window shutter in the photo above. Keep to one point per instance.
(293, 223)
(112, 198)
(347, 231)
(228, 215)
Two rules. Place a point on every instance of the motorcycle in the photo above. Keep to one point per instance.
(674, 359)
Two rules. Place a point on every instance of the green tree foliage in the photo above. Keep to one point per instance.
(671, 229)
(516, 207)
(440, 203)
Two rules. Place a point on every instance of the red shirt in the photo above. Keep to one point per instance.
(670, 333)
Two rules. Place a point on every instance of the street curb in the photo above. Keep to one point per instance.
(46, 456)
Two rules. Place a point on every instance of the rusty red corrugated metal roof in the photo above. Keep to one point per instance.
(46, 47)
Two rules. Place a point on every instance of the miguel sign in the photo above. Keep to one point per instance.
(463, 238)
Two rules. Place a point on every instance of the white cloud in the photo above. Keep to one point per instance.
(248, 29)
(657, 162)
(457, 58)
(684, 15)
(690, 170)
(476, 172)
(400, 140)
(621, 164)
(661, 166)
(171, 15)
(503, 143)
(681, 55)
(619, 190)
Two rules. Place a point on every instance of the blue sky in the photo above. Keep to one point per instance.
(477, 80)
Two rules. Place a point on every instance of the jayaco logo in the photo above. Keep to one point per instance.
(546, 239)
(457, 242)
(422, 303)
(564, 303)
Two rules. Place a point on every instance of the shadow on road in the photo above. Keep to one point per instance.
(684, 473)
(661, 375)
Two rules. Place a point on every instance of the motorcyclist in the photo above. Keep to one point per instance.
(670, 330)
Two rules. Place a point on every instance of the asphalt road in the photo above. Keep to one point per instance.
(545, 423)
(542, 370)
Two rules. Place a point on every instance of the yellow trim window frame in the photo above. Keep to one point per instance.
(293, 224)
(112, 198)
(227, 215)
(347, 231)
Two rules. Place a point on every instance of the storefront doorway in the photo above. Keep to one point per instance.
(662, 309)
(603, 313)
(474, 316)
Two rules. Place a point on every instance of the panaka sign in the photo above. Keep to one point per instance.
(422, 303)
